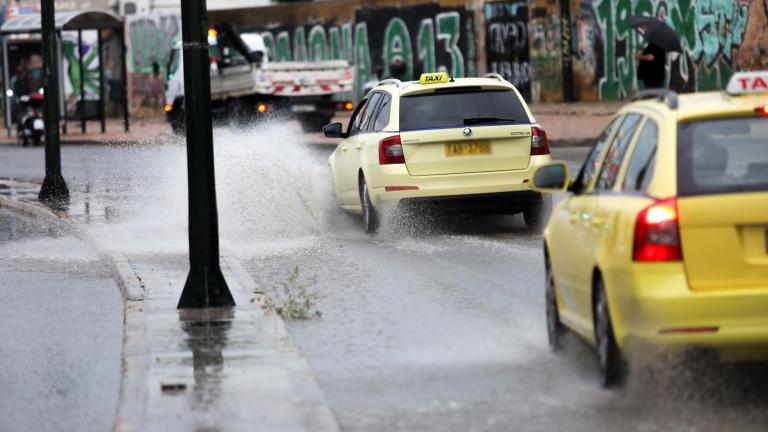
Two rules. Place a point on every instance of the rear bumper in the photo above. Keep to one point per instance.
(654, 310)
(453, 190)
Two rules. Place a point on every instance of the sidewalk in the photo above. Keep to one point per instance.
(233, 369)
(140, 131)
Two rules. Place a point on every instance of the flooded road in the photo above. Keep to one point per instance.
(436, 324)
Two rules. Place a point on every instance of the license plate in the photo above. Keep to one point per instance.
(302, 108)
(468, 148)
(38, 124)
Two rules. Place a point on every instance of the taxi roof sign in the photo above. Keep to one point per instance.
(748, 83)
(433, 78)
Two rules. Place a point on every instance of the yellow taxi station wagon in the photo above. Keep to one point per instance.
(462, 145)
(662, 242)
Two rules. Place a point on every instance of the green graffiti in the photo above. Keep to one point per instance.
(299, 45)
(397, 45)
(269, 43)
(470, 32)
(346, 37)
(334, 37)
(709, 32)
(448, 26)
(318, 44)
(283, 47)
(426, 45)
(362, 57)
(90, 66)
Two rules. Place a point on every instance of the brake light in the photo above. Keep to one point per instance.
(763, 110)
(391, 151)
(168, 108)
(657, 233)
(539, 142)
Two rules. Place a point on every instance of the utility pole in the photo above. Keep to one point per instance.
(205, 285)
(54, 191)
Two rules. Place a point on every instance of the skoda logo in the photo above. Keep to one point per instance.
(467, 131)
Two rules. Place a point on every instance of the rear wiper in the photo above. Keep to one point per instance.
(476, 120)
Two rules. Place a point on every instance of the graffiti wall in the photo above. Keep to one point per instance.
(506, 43)
(150, 39)
(718, 38)
(423, 37)
(546, 58)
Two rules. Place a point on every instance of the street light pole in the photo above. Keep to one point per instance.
(205, 286)
(54, 190)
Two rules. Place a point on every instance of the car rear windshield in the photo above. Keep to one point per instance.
(722, 156)
(451, 109)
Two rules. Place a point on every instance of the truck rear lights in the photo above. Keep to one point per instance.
(344, 106)
(657, 233)
(168, 108)
(539, 142)
(262, 108)
(391, 151)
(399, 188)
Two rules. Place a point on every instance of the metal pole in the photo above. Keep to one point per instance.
(205, 285)
(82, 79)
(54, 190)
(567, 52)
(101, 84)
(124, 71)
(62, 95)
(8, 99)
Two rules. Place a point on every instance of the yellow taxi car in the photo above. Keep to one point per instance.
(661, 246)
(467, 144)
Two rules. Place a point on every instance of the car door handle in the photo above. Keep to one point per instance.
(359, 146)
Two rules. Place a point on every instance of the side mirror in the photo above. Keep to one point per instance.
(551, 178)
(333, 130)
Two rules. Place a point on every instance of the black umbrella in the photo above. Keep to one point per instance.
(657, 32)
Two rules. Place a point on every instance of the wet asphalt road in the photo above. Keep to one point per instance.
(60, 331)
(436, 324)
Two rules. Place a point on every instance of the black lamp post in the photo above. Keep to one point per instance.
(205, 286)
(54, 190)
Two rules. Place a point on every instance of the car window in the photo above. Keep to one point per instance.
(643, 161)
(454, 108)
(354, 122)
(722, 156)
(370, 111)
(382, 117)
(616, 152)
(589, 169)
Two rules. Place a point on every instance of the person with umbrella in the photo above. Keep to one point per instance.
(661, 39)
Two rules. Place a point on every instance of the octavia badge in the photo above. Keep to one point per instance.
(467, 131)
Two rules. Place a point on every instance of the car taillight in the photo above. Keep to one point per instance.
(657, 234)
(391, 151)
(539, 143)
(763, 110)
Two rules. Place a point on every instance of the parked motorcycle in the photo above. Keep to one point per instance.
(31, 126)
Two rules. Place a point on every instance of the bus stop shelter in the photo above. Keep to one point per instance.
(79, 21)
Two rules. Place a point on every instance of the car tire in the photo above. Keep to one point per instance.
(370, 216)
(537, 215)
(610, 364)
(555, 328)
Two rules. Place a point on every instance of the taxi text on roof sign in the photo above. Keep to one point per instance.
(433, 78)
(748, 82)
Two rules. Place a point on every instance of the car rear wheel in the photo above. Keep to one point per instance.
(610, 363)
(555, 329)
(537, 215)
(370, 217)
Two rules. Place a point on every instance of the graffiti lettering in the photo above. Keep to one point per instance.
(506, 43)
(448, 32)
(397, 46)
(426, 44)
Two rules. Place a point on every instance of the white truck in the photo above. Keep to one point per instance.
(246, 86)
